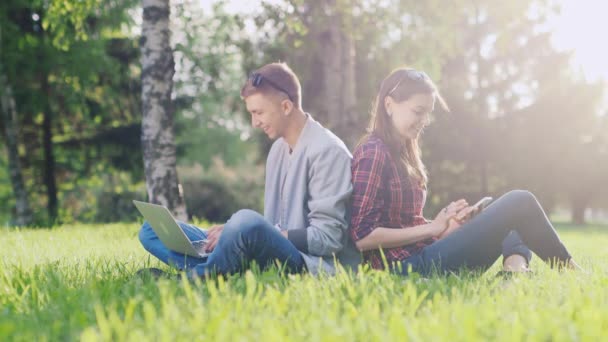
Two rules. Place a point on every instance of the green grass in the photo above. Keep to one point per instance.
(76, 283)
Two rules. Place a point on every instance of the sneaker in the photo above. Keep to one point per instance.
(510, 274)
(153, 273)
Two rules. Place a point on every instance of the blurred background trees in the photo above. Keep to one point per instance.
(521, 115)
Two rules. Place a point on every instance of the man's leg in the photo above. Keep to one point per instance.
(152, 244)
(478, 243)
(248, 237)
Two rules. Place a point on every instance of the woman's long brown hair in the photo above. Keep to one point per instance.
(406, 152)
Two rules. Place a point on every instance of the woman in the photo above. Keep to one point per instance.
(389, 181)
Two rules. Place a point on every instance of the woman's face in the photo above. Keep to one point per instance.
(409, 117)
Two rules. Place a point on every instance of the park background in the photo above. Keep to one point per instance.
(525, 81)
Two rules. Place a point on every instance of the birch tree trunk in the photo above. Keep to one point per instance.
(9, 116)
(157, 137)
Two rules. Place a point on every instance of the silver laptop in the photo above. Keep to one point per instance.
(169, 232)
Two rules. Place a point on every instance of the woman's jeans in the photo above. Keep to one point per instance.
(247, 237)
(511, 225)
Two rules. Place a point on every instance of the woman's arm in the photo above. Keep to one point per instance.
(381, 237)
(367, 198)
(390, 237)
(368, 202)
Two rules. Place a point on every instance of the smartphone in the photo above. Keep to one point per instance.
(482, 204)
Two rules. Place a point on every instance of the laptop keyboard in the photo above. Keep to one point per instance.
(199, 245)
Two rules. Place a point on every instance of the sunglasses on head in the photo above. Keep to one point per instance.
(413, 75)
(257, 79)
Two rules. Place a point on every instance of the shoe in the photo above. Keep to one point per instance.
(510, 274)
(153, 273)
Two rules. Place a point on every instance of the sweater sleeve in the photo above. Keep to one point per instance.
(330, 188)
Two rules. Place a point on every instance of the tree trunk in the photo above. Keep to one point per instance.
(338, 59)
(9, 115)
(578, 210)
(157, 139)
(49, 157)
(481, 98)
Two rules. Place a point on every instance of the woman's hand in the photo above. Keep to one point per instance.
(454, 224)
(461, 218)
(446, 215)
(467, 213)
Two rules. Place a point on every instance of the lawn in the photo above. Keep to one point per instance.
(77, 283)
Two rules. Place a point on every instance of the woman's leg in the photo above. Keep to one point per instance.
(516, 255)
(152, 244)
(477, 244)
(248, 237)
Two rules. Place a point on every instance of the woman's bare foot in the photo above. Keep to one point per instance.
(515, 263)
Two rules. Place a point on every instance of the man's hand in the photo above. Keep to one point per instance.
(284, 233)
(213, 236)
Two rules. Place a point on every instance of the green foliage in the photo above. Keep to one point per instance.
(521, 118)
(78, 282)
(210, 120)
(71, 65)
(7, 198)
(103, 197)
(413, 33)
(218, 191)
(510, 126)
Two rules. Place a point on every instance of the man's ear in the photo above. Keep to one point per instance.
(287, 107)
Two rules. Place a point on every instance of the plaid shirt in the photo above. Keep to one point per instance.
(382, 197)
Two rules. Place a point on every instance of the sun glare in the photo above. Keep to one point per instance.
(581, 27)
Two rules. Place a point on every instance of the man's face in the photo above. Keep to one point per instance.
(267, 114)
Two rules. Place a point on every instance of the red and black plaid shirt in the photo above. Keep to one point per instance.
(383, 197)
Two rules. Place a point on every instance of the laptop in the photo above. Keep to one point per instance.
(169, 232)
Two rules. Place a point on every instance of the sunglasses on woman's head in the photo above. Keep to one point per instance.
(413, 75)
(257, 79)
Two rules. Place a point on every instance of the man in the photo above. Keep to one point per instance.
(307, 194)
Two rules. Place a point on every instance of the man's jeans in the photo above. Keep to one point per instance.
(510, 225)
(246, 237)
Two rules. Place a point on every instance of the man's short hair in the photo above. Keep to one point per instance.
(276, 78)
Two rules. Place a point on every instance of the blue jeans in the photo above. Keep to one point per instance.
(246, 237)
(509, 226)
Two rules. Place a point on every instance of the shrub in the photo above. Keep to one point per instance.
(217, 192)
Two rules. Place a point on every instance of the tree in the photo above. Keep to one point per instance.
(9, 115)
(157, 123)
(71, 68)
(341, 51)
(488, 77)
(479, 81)
(556, 142)
(337, 54)
(519, 117)
(210, 117)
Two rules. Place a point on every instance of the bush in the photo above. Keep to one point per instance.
(216, 193)
(117, 207)
(102, 198)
